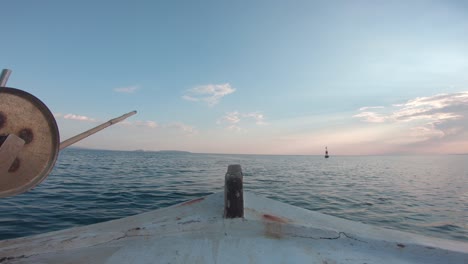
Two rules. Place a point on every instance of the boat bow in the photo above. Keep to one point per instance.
(196, 232)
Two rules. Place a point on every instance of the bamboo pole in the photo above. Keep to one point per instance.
(88, 133)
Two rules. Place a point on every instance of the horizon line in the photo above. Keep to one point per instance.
(264, 154)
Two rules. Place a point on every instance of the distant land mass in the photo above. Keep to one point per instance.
(137, 150)
(165, 151)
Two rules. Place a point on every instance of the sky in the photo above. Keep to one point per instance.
(247, 77)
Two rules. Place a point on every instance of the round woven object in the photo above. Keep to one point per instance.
(27, 117)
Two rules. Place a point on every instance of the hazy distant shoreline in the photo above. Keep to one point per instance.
(164, 151)
(137, 150)
(188, 152)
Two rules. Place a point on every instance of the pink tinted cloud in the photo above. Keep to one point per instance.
(433, 119)
(232, 120)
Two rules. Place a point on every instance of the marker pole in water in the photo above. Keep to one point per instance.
(88, 133)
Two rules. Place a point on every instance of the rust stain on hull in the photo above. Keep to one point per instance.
(273, 218)
(192, 201)
(273, 230)
(274, 225)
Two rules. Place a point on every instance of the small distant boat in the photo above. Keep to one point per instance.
(326, 153)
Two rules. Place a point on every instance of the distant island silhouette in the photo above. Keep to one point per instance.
(164, 151)
(136, 150)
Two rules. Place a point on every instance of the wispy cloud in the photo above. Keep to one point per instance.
(128, 89)
(232, 120)
(140, 124)
(182, 127)
(150, 124)
(179, 126)
(427, 118)
(370, 107)
(210, 93)
(371, 117)
(258, 117)
(75, 117)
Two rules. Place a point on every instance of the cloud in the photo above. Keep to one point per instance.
(233, 119)
(258, 117)
(150, 124)
(140, 124)
(75, 117)
(370, 107)
(236, 128)
(371, 117)
(432, 118)
(129, 89)
(210, 93)
(426, 132)
(182, 127)
(230, 118)
(179, 126)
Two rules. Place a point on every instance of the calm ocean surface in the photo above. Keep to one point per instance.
(422, 194)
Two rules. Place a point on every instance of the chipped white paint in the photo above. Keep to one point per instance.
(196, 232)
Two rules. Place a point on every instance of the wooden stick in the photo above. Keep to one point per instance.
(88, 133)
(9, 149)
(4, 77)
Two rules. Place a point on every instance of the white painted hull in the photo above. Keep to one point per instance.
(196, 232)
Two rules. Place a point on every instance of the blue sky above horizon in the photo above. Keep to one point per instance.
(265, 77)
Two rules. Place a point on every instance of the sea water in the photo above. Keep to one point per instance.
(420, 194)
